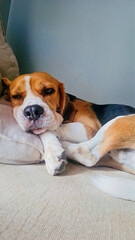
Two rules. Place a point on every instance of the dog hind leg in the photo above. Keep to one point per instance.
(118, 133)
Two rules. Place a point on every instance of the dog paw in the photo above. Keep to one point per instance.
(59, 169)
(82, 153)
(55, 164)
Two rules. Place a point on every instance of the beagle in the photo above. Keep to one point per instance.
(91, 134)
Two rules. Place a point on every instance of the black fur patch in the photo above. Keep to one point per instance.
(107, 112)
(71, 97)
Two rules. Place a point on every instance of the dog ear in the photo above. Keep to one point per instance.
(5, 88)
(67, 108)
(6, 81)
(62, 98)
(70, 111)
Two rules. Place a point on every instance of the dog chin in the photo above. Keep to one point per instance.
(38, 130)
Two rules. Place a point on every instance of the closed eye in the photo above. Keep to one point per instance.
(17, 97)
(47, 91)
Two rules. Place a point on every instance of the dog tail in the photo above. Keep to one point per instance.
(118, 187)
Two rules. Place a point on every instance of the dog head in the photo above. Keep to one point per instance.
(38, 101)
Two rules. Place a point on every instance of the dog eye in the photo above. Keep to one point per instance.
(47, 91)
(17, 97)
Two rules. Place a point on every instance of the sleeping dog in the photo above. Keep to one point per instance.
(91, 134)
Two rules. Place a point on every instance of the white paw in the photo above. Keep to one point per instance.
(55, 161)
(83, 153)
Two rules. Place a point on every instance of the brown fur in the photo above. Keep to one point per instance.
(121, 134)
(87, 117)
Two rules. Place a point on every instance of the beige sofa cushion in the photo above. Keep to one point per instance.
(16, 146)
(8, 63)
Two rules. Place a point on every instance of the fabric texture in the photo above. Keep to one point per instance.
(0, 84)
(16, 146)
(8, 63)
(37, 206)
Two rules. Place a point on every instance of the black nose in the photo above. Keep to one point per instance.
(33, 112)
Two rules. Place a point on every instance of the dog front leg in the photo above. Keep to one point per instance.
(54, 154)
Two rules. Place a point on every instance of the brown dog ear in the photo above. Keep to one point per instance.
(5, 88)
(62, 98)
(70, 111)
(6, 81)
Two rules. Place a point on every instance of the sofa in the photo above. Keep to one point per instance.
(37, 206)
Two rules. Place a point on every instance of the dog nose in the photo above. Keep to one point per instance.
(33, 112)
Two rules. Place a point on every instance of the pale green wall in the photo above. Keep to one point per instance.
(89, 45)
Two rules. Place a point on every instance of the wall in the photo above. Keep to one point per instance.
(88, 45)
(4, 11)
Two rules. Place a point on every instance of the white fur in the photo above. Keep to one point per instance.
(72, 132)
(27, 85)
(118, 187)
(125, 157)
